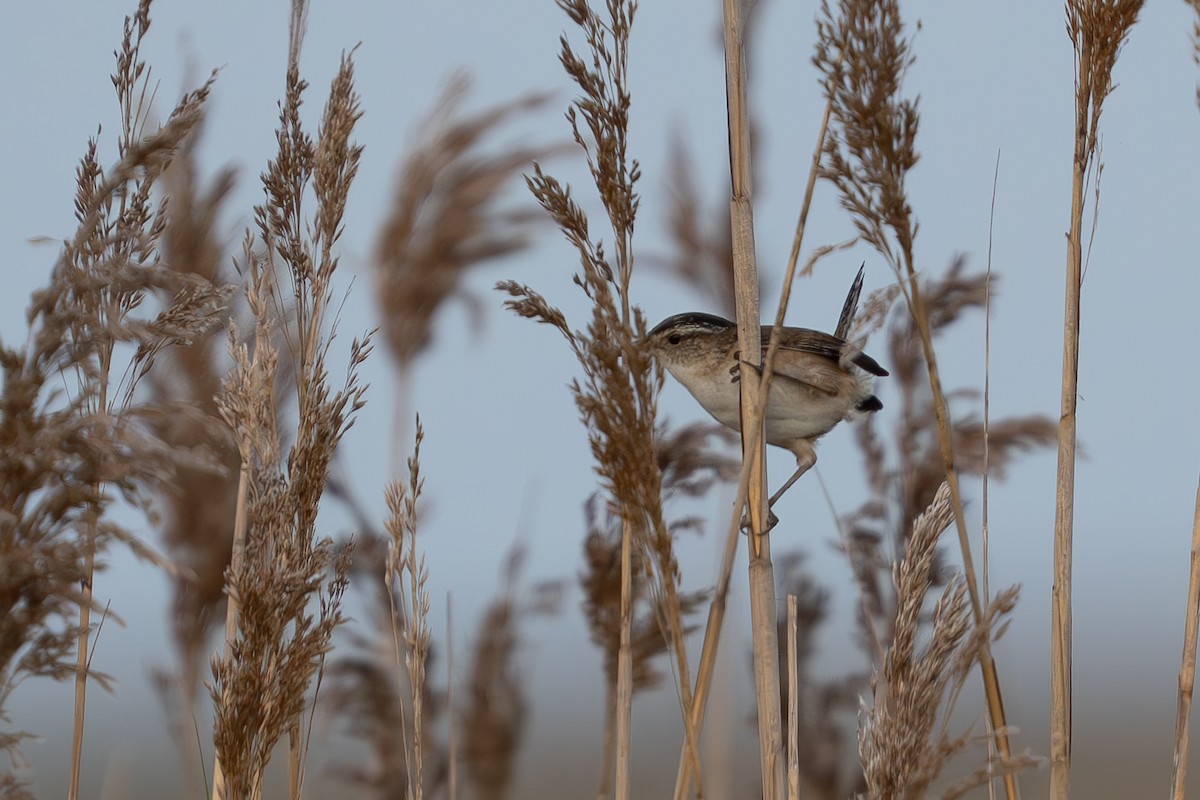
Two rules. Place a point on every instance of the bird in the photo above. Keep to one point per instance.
(819, 379)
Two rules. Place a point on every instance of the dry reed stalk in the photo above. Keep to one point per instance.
(910, 485)
(452, 718)
(793, 703)
(623, 700)
(447, 217)
(907, 489)
(688, 468)
(276, 646)
(618, 398)
(760, 400)
(603, 583)
(716, 617)
(713, 626)
(985, 530)
(984, 524)
(1187, 668)
(820, 707)
(1097, 30)
(761, 571)
(1191, 625)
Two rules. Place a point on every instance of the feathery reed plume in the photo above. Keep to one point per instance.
(127, 232)
(863, 55)
(364, 691)
(275, 645)
(446, 218)
(446, 215)
(702, 237)
(618, 398)
(901, 744)
(196, 512)
(371, 687)
(198, 509)
(493, 721)
(406, 574)
(1098, 30)
(689, 467)
(12, 787)
(65, 452)
(703, 248)
(904, 490)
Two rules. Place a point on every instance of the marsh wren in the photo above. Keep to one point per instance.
(819, 379)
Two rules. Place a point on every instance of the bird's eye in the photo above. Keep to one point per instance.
(674, 338)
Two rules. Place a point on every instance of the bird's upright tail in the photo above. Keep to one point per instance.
(850, 307)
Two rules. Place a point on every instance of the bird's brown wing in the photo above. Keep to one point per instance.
(805, 340)
(815, 371)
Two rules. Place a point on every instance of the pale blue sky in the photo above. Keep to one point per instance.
(992, 78)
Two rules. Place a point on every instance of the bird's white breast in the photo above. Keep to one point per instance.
(794, 410)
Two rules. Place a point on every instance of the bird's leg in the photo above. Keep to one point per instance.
(801, 468)
(806, 457)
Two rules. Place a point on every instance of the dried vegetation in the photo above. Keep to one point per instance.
(124, 394)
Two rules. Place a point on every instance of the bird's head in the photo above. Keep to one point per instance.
(689, 338)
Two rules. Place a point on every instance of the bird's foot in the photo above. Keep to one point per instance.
(772, 521)
(735, 372)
